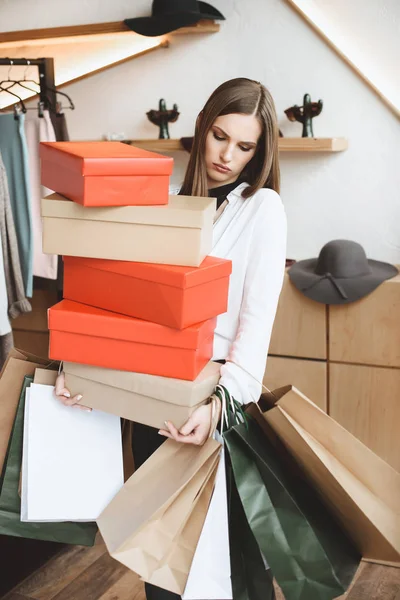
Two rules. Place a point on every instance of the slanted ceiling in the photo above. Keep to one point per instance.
(366, 35)
(79, 51)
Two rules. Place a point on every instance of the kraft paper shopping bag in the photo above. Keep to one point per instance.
(360, 488)
(151, 510)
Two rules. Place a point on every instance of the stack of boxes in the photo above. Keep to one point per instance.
(141, 295)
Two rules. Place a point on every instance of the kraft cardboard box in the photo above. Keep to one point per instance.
(142, 398)
(179, 233)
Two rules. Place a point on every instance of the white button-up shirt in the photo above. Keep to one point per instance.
(252, 234)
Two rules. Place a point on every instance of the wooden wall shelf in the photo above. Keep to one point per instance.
(91, 30)
(285, 144)
(90, 48)
(312, 144)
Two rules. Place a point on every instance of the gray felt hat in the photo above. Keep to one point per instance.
(341, 273)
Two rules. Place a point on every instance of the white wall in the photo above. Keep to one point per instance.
(354, 194)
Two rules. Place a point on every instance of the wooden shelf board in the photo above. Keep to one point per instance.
(285, 144)
(93, 29)
(312, 144)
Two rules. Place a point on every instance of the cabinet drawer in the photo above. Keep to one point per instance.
(36, 320)
(366, 401)
(309, 376)
(300, 325)
(368, 331)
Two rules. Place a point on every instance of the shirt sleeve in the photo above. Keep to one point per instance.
(244, 370)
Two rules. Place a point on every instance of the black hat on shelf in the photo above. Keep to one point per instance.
(168, 15)
(341, 273)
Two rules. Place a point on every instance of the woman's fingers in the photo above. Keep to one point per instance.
(192, 438)
(59, 388)
(73, 400)
(166, 433)
(82, 407)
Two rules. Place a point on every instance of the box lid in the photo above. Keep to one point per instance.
(181, 211)
(106, 158)
(74, 317)
(211, 268)
(167, 389)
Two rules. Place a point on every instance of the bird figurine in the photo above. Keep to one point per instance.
(162, 117)
(305, 114)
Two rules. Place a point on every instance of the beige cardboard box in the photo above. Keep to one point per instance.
(147, 399)
(179, 233)
(368, 331)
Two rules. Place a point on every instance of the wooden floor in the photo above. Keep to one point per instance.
(91, 574)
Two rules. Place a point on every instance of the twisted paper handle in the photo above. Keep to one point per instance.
(235, 411)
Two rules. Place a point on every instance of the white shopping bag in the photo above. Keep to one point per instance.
(210, 573)
(72, 459)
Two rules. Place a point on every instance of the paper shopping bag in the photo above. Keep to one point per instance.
(17, 365)
(309, 555)
(210, 572)
(10, 502)
(173, 569)
(360, 488)
(251, 580)
(72, 459)
(147, 514)
(46, 377)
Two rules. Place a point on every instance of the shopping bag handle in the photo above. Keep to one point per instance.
(269, 399)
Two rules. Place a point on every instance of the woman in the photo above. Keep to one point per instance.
(235, 159)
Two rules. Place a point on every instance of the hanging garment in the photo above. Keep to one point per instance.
(14, 152)
(39, 129)
(14, 285)
(60, 126)
(61, 130)
(5, 326)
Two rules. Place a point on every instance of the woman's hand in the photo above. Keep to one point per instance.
(63, 394)
(196, 430)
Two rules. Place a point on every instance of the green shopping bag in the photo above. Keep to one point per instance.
(10, 502)
(250, 579)
(309, 555)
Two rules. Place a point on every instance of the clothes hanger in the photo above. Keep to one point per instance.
(21, 83)
(5, 89)
(21, 102)
(71, 104)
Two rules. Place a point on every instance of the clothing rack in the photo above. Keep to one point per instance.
(46, 77)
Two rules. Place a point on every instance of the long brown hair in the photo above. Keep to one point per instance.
(247, 97)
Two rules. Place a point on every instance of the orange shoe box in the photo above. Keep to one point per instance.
(105, 173)
(169, 295)
(92, 336)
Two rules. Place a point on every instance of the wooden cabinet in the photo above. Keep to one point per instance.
(309, 376)
(366, 401)
(357, 376)
(35, 342)
(30, 329)
(36, 320)
(368, 331)
(300, 325)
